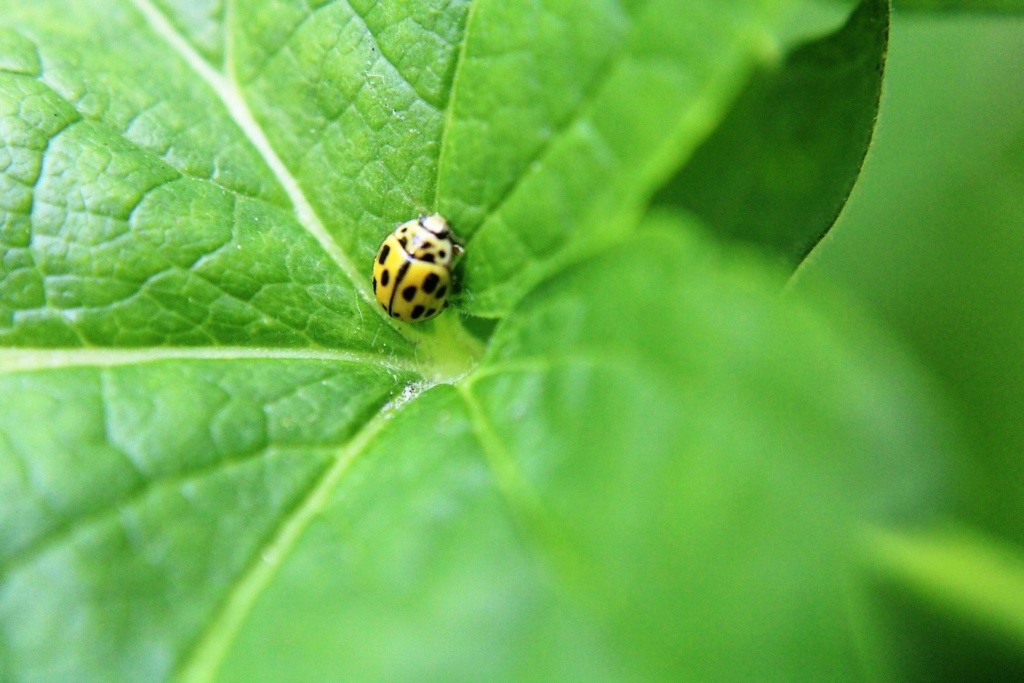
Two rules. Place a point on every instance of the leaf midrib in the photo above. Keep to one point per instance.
(449, 110)
(29, 360)
(225, 86)
(211, 646)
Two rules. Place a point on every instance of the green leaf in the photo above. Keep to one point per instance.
(551, 152)
(218, 456)
(138, 213)
(596, 504)
(353, 96)
(779, 169)
(136, 488)
(201, 22)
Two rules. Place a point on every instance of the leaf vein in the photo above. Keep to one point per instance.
(574, 116)
(212, 645)
(383, 55)
(228, 90)
(449, 112)
(108, 432)
(64, 531)
(28, 360)
(555, 555)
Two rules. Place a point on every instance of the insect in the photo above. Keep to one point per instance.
(412, 274)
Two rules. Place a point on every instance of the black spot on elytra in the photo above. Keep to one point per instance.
(374, 285)
(431, 311)
(417, 311)
(384, 251)
(440, 254)
(399, 277)
(404, 242)
(430, 283)
(409, 292)
(441, 292)
(442, 235)
(427, 258)
(385, 278)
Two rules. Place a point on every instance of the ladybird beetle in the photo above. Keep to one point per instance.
(412, 274)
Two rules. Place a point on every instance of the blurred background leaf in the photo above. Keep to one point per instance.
(933, 238)
(779, 169)
(982, 6)
(932, 241)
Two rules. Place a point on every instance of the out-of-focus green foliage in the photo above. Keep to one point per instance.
(781, 165)
(623, 454)
(947, 170)
(964, 6)
(933, 242)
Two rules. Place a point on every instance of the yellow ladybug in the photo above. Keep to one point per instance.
(412, 274)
